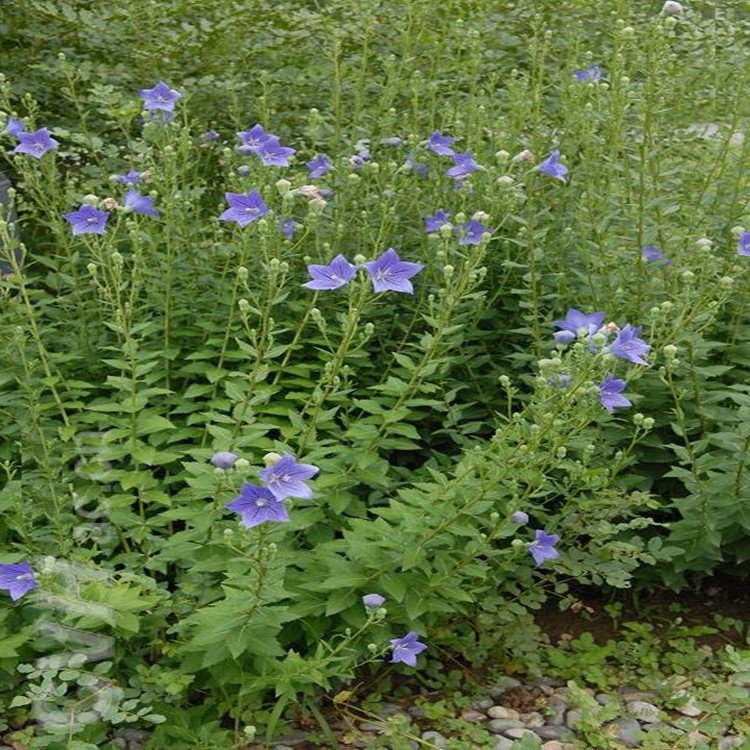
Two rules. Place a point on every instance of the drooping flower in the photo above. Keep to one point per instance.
(579, 324)
(253, 139)
(363, 154)
(390, 273)
(471, 232)
(520, 517)
(564, 337)
(373, 601)
(551, 166)
(437, 221)
(393, 141)
(287, 477)
(17, 579)
(319, 166)
(257, 505)
(543, 547)
(286, 227)
(743, 244)
(610, 393)
(14, 127)
(224, 459)
(441, 144)
(87, 220)
(140, 204)
(627, 345)
(129, 178)
(592, 73)
(35, 144)
(337, 273)
(405, 649)
(273, 154)
(464, 165)
(416, 167)
(244, 208)
(160, 97)
(210, 135)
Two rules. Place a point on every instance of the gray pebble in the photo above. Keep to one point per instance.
(519, 732)
(483, 705)
(389, 709)
(503, 743)
(643, 711)
(573, 717)
(531, 719)
(558, 718)
(726, 743)
(473, 716)
(557, 701)
(603, 699)
(500, 726)
(628, 732)
(371, 726)
(552, 732)
(501, 712)
(294, 738)
(416, 711)
(435, 738)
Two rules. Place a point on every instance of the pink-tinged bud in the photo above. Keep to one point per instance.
(672, 8)
(525, 155)
(110, 204)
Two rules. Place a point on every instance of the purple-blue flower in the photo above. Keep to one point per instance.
(35, 144)
(628, 346)
(287, 477)
(253, 139)
(319, 166)
(437, 221)
(610, 393)
(14, 127)
(393, 140)
(224, 459)
(257, 505)
(578, 323)
(373, 601)
(551, 167)
(140, 204)
(471, 232)
(337, 273)
(441, 144)
(653, 254)
(17, 579)
(273, 154)
(160, 97)
(464, 165)
(416, 167)
(129, 178)
(87, 220)
(244, 208)
(520, 517)
(543, 547)
(405, 649)
(564, 337)
(210, 135)
(592, 73)
(559, 381)
(390, 273)
(743, 244)
(286, 227)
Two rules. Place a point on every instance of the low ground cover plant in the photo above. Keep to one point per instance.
(289, 398)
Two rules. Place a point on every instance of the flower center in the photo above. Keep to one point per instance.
(383, 275)
(261, 502)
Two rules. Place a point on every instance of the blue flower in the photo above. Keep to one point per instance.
(627, 345)
(210, 135)
(441, 144)
(437, 221)
(256, 505)
(551, 167)
(592, 73)
(160, 97)
(224, 459)
(14, 127)
(17, 579)
(520, 517)
(415, 167)
(390, 273)
(543, 547)
(253, 139)
(273, 154)
(337, 273)
(743, 244)
(373, 601)
(610, 393)
(471, 232)
(319, 166)
(140, 204)
(244, 208)
(87, 220)
(464, 165)
(287, 477)
(130, 178)
(651, 253)
(577, 323)
(405, 649)
(35, 144)
(286, 227)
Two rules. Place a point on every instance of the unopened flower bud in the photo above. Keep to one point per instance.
(670, 351)
(91, 268)
(516, 543)
(638, 418)
(271, 458)
(283, 186)
(448, 271)
(704, 242)
(726, 281)
(241, 464)
(243, 304)
(505, 180)
(502, 155)
(672, 8)
(243, 170)
(524, 155)
(110, 204)
(688, 277)
(520, 517)
(91, 199)
(504, 381)
(648, 423)
(224, 459)
(317, 205)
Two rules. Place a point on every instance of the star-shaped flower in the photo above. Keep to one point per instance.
(244, 208)
(129, 178)
(87, 220)
(287, 477)
(337, 273)
(610, 393)
(14, 127)
(437, 221)
(273, 154)
(160, 97)
(319, 166)
(627, 345)
(140, 204)
(441, 144)
(543, 547)
(551, 166)
(579, 323)
(464, 165)
(471, 232)
(743, 244)
(257, 505)
(35, 144)
(592, 73)
(405, 649)
(17, 579)
(390, 273)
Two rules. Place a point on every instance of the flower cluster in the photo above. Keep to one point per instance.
(387, 273)
(264, 145)
(469, 233)
(285, 478)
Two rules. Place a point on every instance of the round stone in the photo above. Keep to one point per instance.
(573, 717)
(472, 716)
(483, 704)
(500, 726)
(727, 743)
(552, 732)
(435, 738)
(643, 711)
(532, 719)
(520, 732)
(501, 712)
(503, 743)
(628, 731)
